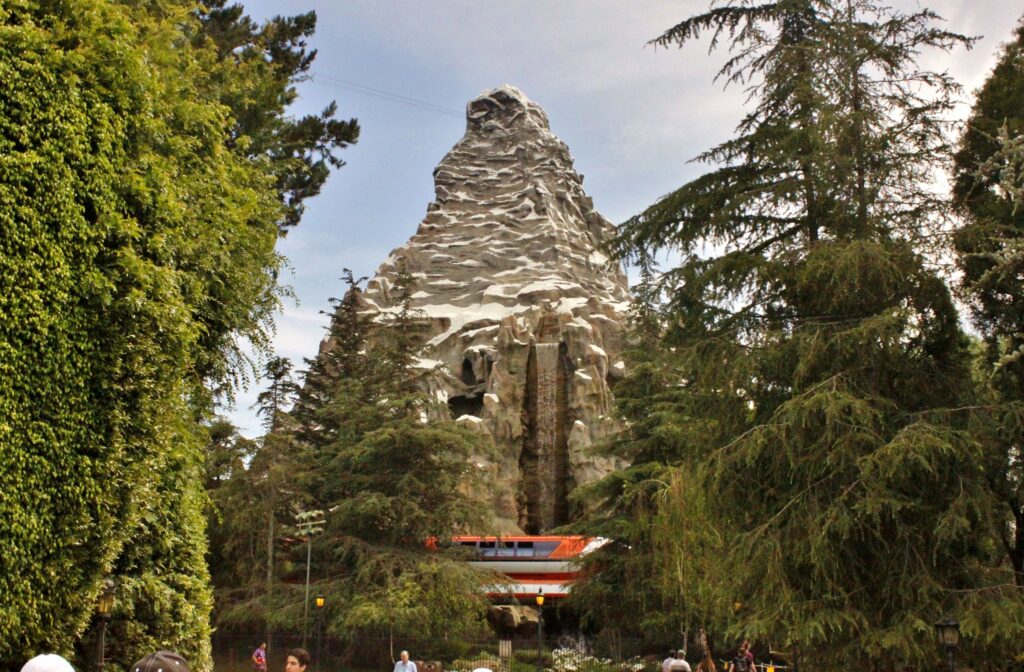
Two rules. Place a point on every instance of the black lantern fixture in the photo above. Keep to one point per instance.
(948, 634)
(104, 609)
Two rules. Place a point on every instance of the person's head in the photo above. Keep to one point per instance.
(681, 653)
(404, 655)
(672, 653)
(297, 661)
(263, 645)
(47, 662)
(745, 645)
(161, 661)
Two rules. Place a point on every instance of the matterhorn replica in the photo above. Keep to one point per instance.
(521, 310)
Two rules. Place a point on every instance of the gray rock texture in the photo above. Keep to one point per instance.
(522, 313)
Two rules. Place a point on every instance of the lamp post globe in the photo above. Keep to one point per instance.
(320, 602)
(104, 609)
(947, 632)
(540, 629)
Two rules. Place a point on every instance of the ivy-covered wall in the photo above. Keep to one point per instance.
(134, 233)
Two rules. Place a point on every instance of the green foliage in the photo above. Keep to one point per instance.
(234, 549)
(989, 250)
(357, 445)
(988, 245)
(266, 61)
(808, 470)
(164, 596)
(138, 221)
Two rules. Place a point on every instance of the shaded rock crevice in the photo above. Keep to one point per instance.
(544, 460)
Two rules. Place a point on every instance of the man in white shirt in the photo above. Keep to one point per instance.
(405, 665)
(679, 664)
(667, 663)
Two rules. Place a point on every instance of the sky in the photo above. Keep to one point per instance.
(632, 115)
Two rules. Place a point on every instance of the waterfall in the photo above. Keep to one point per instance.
(543, 462)
(546, 429)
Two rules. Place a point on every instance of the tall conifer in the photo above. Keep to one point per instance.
(988, 191)
(819, 355)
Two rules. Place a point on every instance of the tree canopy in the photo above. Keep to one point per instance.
(989, 250)
(358, 445)
(826, 494)
(147, 169)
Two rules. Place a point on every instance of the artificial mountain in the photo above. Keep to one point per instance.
(520, 311)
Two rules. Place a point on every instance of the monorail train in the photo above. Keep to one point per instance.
(533, 564)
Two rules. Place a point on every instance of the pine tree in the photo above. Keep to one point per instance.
(234, 514)
(301, 151)
(275, 467)
(347, 367)
(819, 356)
(360, 449)
(989, 246)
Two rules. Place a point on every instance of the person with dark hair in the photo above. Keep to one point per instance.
(667, 663)
(744, 660)
(161, 661)
(748, 652)
(297, 661)
(259, 658)
(679, 663)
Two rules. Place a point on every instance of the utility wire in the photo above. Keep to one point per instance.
(386, 95)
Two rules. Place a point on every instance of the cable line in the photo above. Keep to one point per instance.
(387, 95)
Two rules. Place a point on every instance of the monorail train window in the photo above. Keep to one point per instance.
(487, 549)
(469, 544)
(506, 549)
(524, 549)
(544, 549)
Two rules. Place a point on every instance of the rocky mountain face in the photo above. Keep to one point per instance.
(521, 313)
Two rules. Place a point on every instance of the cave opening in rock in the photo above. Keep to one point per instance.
(468, 377)
(466, 405)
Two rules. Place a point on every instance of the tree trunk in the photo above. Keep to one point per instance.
(270, 563)
(1017, 557)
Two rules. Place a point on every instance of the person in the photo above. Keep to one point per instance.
(748, 654)
(259, 658)
(47, 662)
(744, 660)
(667, 663)
(679, 663)
(404, 664)
(161, 661)
(297, 661)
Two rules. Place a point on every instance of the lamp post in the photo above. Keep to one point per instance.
(309, 523)
(948, 634)
(104, 608)
(540, 630)
(320, 601)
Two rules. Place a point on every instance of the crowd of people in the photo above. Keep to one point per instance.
(742, 662)
(298, 661)
(169, 661)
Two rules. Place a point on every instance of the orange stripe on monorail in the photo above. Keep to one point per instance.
(569, 545)
(546, 576)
